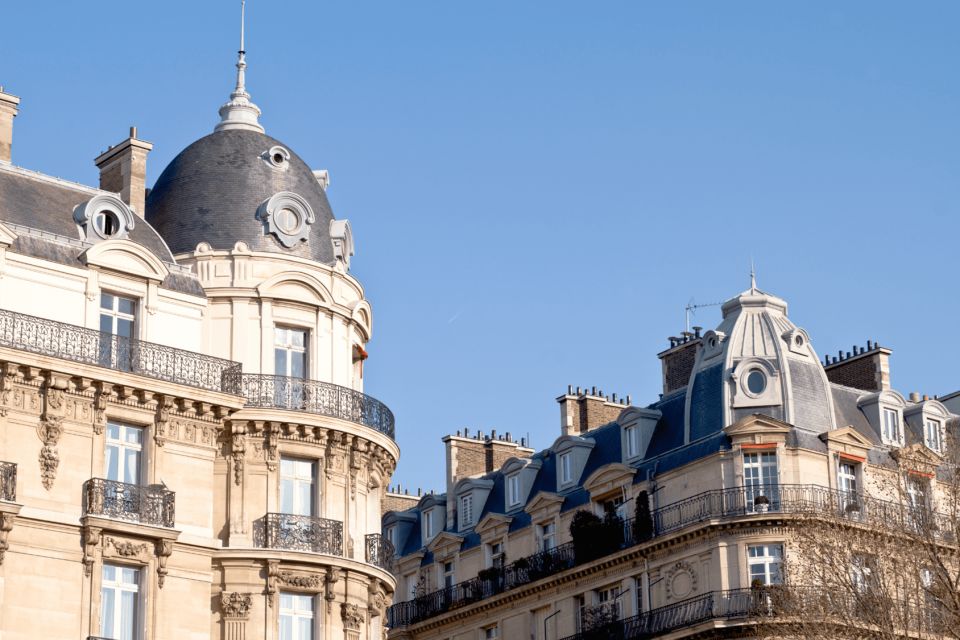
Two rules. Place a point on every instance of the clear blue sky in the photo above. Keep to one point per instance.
(538, 188)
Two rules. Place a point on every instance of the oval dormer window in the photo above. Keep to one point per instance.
(103, 217)
(756, 382)
(107, 223)
(277, 157)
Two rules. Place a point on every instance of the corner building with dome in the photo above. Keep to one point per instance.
(188, 452)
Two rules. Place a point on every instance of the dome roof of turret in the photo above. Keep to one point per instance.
(241, 185)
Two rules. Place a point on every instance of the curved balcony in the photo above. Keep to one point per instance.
(299, 533)
(313, 396)
(151, 504)
(717, 504)
(380, 551)
(79, 344)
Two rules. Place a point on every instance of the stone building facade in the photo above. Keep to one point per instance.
(187, 449)
(697, 493)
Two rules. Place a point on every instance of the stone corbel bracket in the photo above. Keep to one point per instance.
(8, 513)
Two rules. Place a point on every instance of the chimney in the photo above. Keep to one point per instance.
(9, 106)
(866, 368)
(123, 170)
(677, 361)
(582, 411)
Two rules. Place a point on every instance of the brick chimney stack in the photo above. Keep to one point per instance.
(677, 361)
(123, 170)
(582, 411)
(9, 107)
(861, 368)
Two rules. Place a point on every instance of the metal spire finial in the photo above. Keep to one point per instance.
(753, 276)
(240, 112)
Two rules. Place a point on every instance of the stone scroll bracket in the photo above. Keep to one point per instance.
(8, 514)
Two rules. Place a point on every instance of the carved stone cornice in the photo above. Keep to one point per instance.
(352, 617)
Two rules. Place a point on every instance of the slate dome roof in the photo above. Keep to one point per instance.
(214, 189)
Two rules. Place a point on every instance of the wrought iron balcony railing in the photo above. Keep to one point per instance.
(150, 504)
(380, 551)
(8, 481)
(718, 504)
(300, 533)
(758, 606)
(313, 396)
(79, 344)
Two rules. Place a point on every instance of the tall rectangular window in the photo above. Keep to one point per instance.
(566, 472)
(118, 317)
(290, 352)
(296, 616)
(633, 441)
(448, 575)
(931, 430)
(609, 599)
(427, 525)
(581, 612)
(761, 478)
(891, 426)
(513, 490)
(124, 453)
(466, 510)
(548, 536)
(120, 602)
(638, 591)
(847, 477)
(765, 562)
(496, 555)
(297, 486)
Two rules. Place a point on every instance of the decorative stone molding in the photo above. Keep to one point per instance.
(236, 605)
(680, 580)
(126, 549)
(288, 217)
(6, 526)
(273, 578)
(91, 538)
(104, 217)
(49, 432)
(352, 617)
(164, 548)
(162, 419)
(301, 580)
(100, 398)
(341, 235)
(238, 448)
(330, 580)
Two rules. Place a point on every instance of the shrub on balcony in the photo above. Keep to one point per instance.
(585, 529)
(642, 518)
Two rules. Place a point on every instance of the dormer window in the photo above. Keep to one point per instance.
(633, 442)
(566, 473)
(891, 426)
(427, 525)
(466, 511)
(513, 490)
(103, 217)
(932, 434)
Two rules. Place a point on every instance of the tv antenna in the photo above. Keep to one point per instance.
(692, 308)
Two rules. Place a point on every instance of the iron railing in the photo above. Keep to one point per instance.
(718, 504)
(313, 396)
(144, 504)
(79, 344)
(380, 551)
(8, 481)
(300, 533)
(765, 604)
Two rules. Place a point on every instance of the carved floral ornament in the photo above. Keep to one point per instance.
(352, 616)
(236, 605)
(680, 580)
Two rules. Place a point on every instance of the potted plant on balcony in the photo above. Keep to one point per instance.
(761, 503)
(585, 529)
(642, 518)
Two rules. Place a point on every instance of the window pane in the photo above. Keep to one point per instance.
(133, 435)
(107, 612)
(298, 339)
(128, 615)
(286, 628)
(126, 305)
(111, 461)
(286, 496)
(131, 463)
(298, 365)
(106, 324)
(280, 362)
(304, 499)
(106, 301)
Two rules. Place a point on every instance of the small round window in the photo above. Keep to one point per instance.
(288, 221)
(798, 340)
(712, 342)
(277, 156)
(107, 223)
(756, 382)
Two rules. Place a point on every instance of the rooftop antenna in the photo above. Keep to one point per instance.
(692, 308)
(241, 63)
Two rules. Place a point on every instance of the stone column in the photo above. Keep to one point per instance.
(236, 611)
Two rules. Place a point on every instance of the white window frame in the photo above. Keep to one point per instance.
(282, 342)
(298, 478)
(609, 598)
(495, 551)
(119, 587)
(491, 632)
(861, 573)
(297, 614)
(769, 556)
(633, 441)
(447, 574)
(466, 510)
(565, 461)
(891, 430)
(122, 446)
(428, 525)
(933, 434)
(761, 477)
(548, 535)
(513, 489)
(115, 315)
